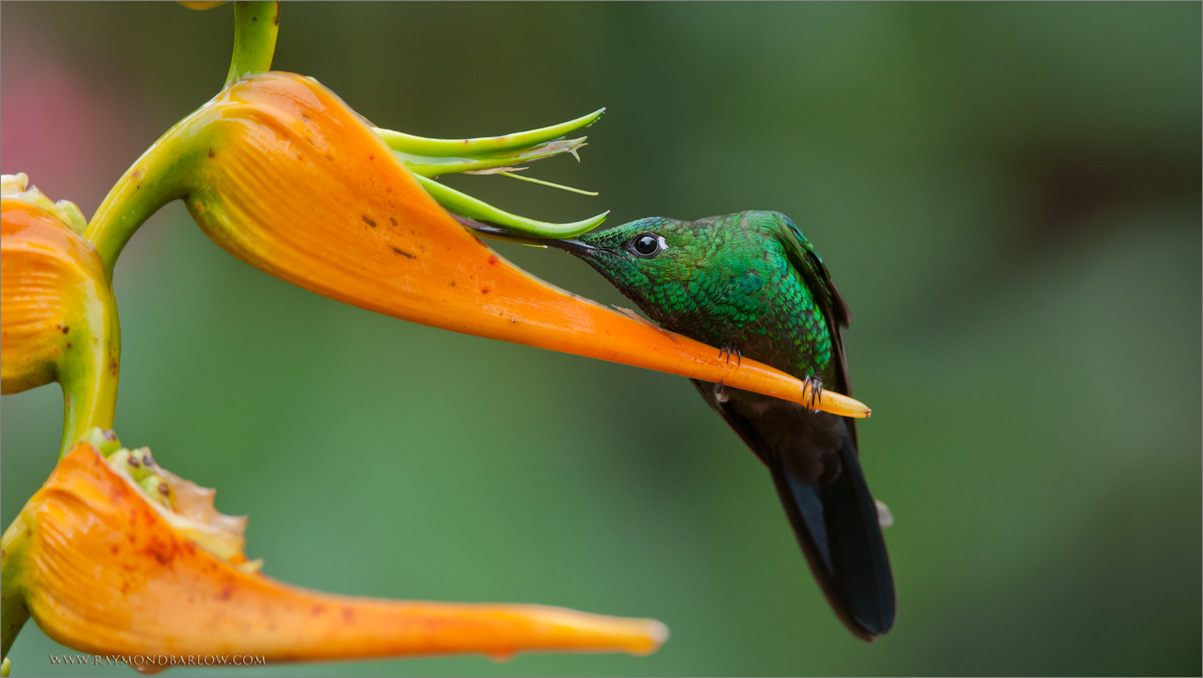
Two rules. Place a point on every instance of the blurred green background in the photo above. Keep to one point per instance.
(1007, 194)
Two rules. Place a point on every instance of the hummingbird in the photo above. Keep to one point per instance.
(753, 285)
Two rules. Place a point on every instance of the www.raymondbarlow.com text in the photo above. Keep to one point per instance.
(158, 660)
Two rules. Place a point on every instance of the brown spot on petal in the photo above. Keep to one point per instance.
(368, 221)
(402, 252)
(160, 551)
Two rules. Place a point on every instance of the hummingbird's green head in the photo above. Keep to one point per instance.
(651, 251)
(668, 265)
(659, 250)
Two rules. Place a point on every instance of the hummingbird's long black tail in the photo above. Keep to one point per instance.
(836, 524)
(812, 457)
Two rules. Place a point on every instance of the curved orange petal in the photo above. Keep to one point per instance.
(58, 318)
(106, 573)
(289, 179)
(46, 270)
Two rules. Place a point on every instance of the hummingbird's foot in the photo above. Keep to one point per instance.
(884, 517)
(720, 392)
(816, 392)
(729, 349)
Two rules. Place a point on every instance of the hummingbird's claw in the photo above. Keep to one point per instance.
(816, 392)
(729, 349)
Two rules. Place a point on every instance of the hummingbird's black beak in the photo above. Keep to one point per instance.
(573, 246)
(495, 232)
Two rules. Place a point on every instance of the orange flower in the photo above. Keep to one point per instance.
(119, 557)
(282, 174)
(58, 319)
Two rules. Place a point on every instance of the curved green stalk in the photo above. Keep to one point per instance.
(155, 179)
(442, 148)
(89, 367)
(255, 27)
(467, 206)
(13, 612)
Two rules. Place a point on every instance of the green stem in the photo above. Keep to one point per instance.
(88, 369)
(155, 179)
(255, 27)
(13, 612)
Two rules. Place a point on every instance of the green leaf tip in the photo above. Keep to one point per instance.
(472, 208)
(476, 147)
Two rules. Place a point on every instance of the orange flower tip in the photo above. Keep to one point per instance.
(656, 634)
(845, 406)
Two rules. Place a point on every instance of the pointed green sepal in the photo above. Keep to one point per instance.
(467, 206)
(475, 148)
(432, 166)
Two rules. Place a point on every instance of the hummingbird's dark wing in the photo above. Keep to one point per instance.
(814, 466)
(806, 262)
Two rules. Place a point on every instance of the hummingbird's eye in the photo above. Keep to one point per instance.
(648, 245)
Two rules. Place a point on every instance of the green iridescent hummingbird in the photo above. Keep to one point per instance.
(753, 284)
